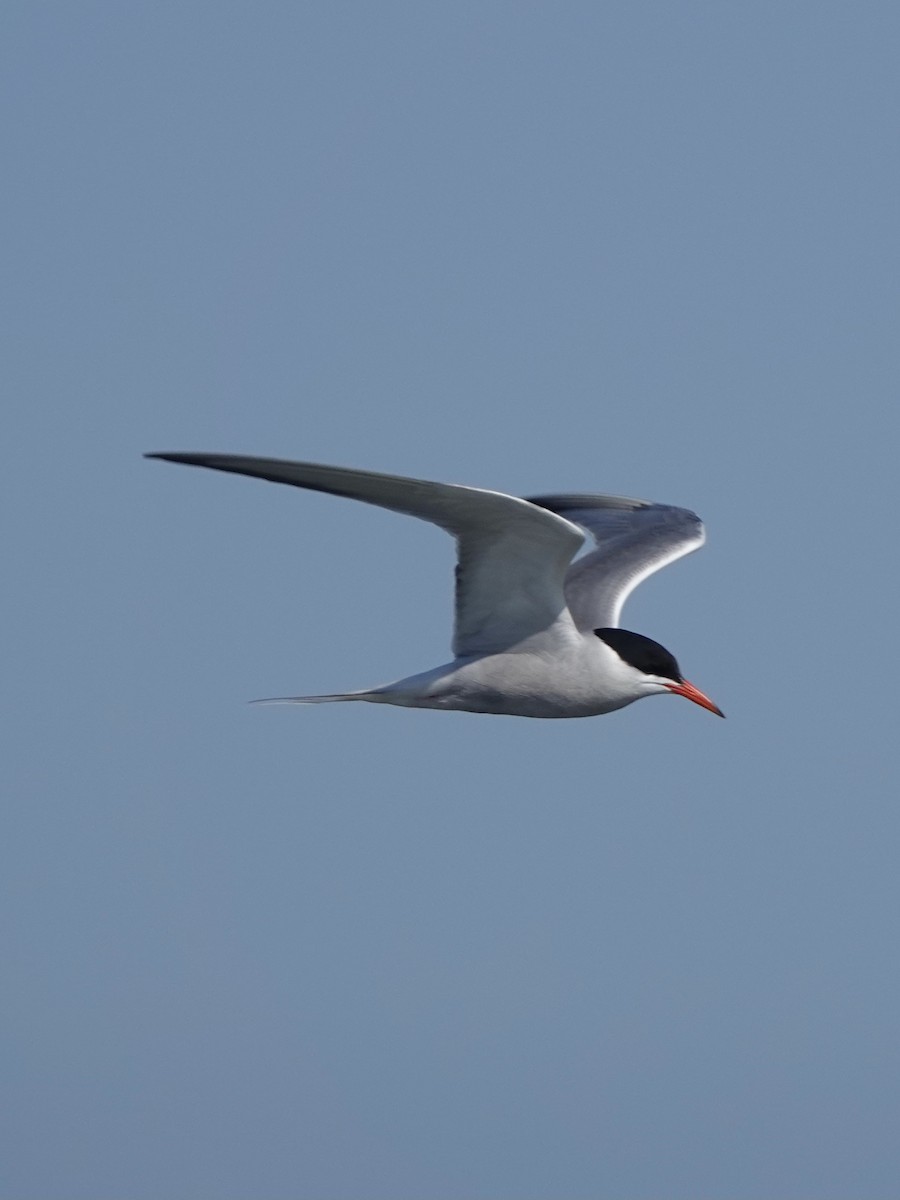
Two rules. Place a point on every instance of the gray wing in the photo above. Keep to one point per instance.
(513, 556)
(634, 538)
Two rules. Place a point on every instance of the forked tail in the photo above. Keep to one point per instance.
(373, 696)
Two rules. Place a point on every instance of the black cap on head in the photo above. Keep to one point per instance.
(642, 653)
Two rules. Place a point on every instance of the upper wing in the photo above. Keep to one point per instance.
(513, 556)
(634, 538)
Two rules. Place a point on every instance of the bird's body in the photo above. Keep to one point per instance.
(581, 679)
(536, 634)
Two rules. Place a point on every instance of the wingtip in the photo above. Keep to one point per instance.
(179, 456)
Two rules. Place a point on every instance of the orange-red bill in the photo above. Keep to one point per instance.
(693, 693)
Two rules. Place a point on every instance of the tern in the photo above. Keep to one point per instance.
(536, 633)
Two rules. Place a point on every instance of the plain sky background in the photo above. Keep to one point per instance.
(359, 953)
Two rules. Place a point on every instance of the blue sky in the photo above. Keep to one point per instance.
(355, 953)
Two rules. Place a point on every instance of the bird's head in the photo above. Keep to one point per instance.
(651, 668)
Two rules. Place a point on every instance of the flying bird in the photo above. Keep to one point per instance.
(536, 633)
